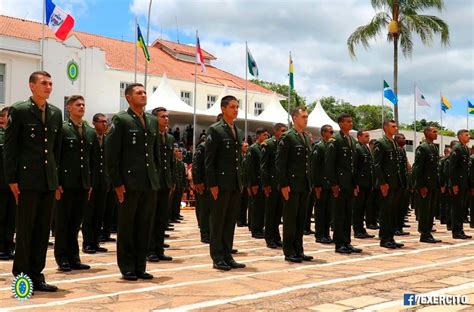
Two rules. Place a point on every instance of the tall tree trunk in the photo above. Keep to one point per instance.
(395, 75)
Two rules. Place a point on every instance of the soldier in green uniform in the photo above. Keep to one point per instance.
(131, 151)
(254, 177)
(365, 182)
(273, 199)
(293, 178)
(223, 166)
(31, 156)
(95, 210)
(388, 182)
(181, 179)
(471, 174)
(445, 217)
(244, 217)
(405, 169)
(340, 162)
(372, 210)
(426, 184)
(74, 184)
(321, 187)
(201, 192)
(459, 183)
(7, 201)
(160, 220)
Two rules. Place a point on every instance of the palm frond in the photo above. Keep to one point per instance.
(421, 5)
(406, 42)
(363, 34)
(425, 26)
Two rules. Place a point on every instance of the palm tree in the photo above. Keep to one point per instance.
(402, 19)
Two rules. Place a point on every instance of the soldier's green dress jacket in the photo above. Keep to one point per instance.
(293, 163)
(471, 174)
(36, 167)
(198, 170)
(3, 183)
(254, 157)
(425, 168)
(318, 172)
(180, 174)
(386, 163)
(365, 167)
(75, 163)
(223, 157)
(442, 171)
(268, 165)
(132, 152)
(459, 166)
(340, 161)
(167, 160)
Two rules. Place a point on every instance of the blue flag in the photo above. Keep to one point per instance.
(389, 94)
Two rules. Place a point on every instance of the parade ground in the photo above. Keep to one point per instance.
(375, 280)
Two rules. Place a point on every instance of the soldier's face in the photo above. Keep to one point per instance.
(42, 87)
(301, 120)
(231, 110)
(77, 108)
(4, 120)
(464, 137)
(163, 119)
(101, 124)
(245, 147)
(328, 133)
(137, 97)
(346, 124)
(432, 134)
(262, 137)
(391, 129)
(364, 138)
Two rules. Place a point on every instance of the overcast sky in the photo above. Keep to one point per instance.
(316, 33)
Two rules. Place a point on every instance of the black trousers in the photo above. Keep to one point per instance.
(445, 207)
(33, 220)
(176, 203)
(389, 210)
(322, 216)
(273, 212)
(458, 204)
(244, 203)
(159, 222)
(373, 209)
(258, 212)
(361, 205)
(402, 209)
(310, 211)
(342, 208)
(68, 217)
(294, 217)
(93, 217)
(134, 220)
(7, 220)
(224, 213)
(426, 209)
(111, 214)
(202, 201)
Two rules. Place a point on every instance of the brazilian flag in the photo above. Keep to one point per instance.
(141, 44)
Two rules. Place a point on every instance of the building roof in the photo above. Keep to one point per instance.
(181, 48)
(119, 55)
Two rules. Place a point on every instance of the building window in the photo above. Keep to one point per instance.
(123, 100)
(211, 99)
(409, 146)
(2, 83)
(186, 97)
(258, 108)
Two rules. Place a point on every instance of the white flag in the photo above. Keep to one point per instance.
(420, 98)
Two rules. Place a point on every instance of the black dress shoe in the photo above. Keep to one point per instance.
(235, 265)
(272, 245)
(406, 225)
(343, 250)
(353, 249)
(221, 265)
(100, 249)
(169, 228)
(373, 226)
(306, 258)
(294, 259)
(240, 224)
(258, 235)
(152, 258)
(4, 256)
(205, 240)
(80, 266)
(279, 243)
(50, 244)
(399, 245)
(43, 286)
(324, 240)
(11, 254)
(144, 275)
(363, 235)
(88, 250)
(175, 221)
(429, 240)
(64, 267)
(167, 235)
(234, 251)
(471, 226)
(389, 245)
(165, 245)
(129, 276)
(180, 217)
(164, 257)
(401, 233)
(461, 236)
(308, 232)
(367, 235)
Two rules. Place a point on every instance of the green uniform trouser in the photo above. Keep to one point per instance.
(360, 209)
(33, 220)
(202, 201)
(7, 220)
(294, 217)
(224, 212)
(426, 210)
(134, 220)
(342, 209)
(389, 208)
(322, 215)
(67, 220)
(273, 211)
(93, 216)
(159, 222)
(458, 204)
(258, 212)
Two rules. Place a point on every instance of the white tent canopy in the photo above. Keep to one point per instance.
(215, 109)
(274, 112)
(165, 97)
(319, 118)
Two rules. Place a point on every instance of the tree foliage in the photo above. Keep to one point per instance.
(282, 89)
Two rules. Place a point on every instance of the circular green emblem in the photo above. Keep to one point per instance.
(72, 70)
(22, 287)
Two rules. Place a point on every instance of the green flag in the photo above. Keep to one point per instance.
(292, 83)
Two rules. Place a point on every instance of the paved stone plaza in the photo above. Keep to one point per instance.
(376, 279)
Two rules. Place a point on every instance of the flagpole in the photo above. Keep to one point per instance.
(136, 47)
(42, 35)
(289, 91)
(246, 81)
(467, 118)
(414, 121)
(441, 148)
(383, 108)
(147, 40)
(195, 90)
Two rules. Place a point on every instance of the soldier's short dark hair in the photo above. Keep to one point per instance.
(4, 110)
(219, 117)
(226, 100)
(325, 128)
(35, 75)
(387, 122)
(398, 136)
(360, 133)
(427, 129)
(278, 126)
(260, 131)
(343, 116)
(452, 143)
(296, 111)
(462, 131)
(129, 88)
(97, 116)
(156, 110)
(74, 98)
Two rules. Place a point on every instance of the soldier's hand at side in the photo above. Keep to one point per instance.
(214, 192)
(254, 189)
(356, 191)
(384, 189)
(58, 193)
(120, 191)
(267, 190)
(443, 189)
(424, 192)
(455, 189)
(317, 190)
(199, 188)
(15, 190)
(89, 194)
(285, 191)
(335, 190)
(472, 193)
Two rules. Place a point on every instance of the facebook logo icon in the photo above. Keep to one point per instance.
(409, 299)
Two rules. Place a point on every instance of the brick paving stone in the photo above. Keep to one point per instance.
(329, 307)
(362, 301)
